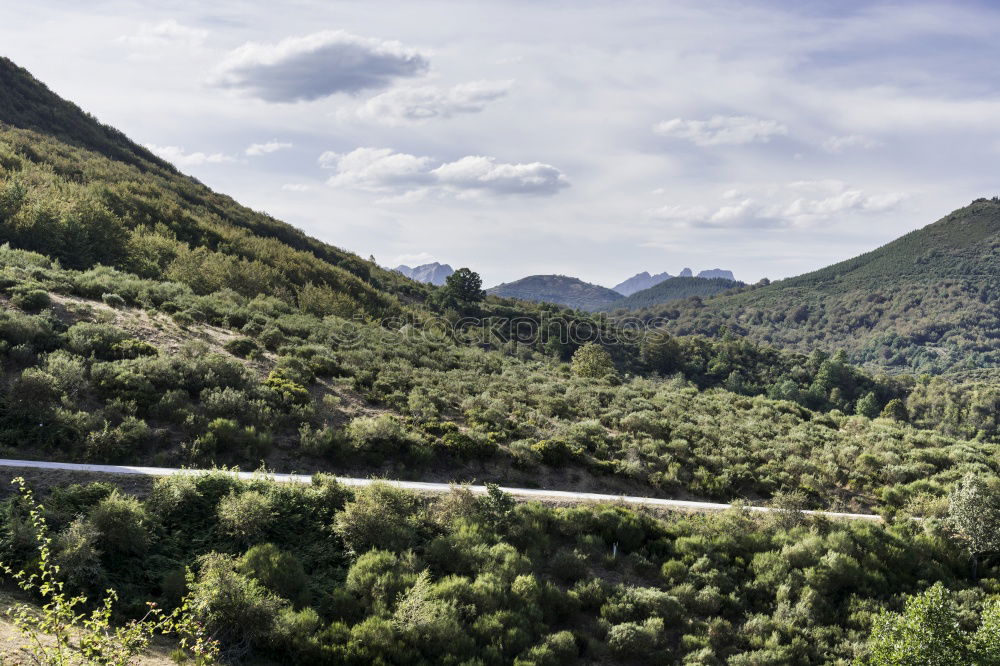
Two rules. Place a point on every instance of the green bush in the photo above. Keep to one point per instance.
(123, 524)
(277, 570)
(636, 639)
(246, 516)
(380, 516)
(383, 434)
(242, 347)
(235, 609)
(31, 300)
(113, 300)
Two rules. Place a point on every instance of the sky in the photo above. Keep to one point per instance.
(584, 138)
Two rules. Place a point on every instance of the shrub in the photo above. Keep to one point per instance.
(379, 516)
(382, 434)
(633, 639)
(378, 578)
(592, 361)
(246, 515)
(75, 552)
(469, 446)
(241, 347)
(287, 390)
(89, 339)
(637, 603)
(113, 300)
(318, 442)
(113, 443)
(235, 609)
(31, 300)
(556, 650)
(554, 452)
(279, 571)
(123, 524)
(226, 435)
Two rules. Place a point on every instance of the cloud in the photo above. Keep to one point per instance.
(177, 156)
(317, 65)
(838, 144)
(296, 187)
(420, 104)
(165, 32)
(255, 149)
(721, 130)
(797, 204)
(385, 171)
(417, 259)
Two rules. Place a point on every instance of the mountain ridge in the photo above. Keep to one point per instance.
(563, 290)
(928, 301)
(433, 273)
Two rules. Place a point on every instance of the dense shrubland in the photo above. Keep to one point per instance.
(322, 574)
(112, 367)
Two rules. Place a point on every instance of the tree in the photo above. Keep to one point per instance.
(896, 411)
(867, 406)
(974, 512)
(465, 286)
(928, 633)
(660, 352)
(592, 360)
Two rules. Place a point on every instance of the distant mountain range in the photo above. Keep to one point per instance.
(640, 281)
(676, 289)
(560, 289)
(577, 294)
(644, 280)
(433, 273)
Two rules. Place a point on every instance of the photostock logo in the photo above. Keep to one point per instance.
(494, 332)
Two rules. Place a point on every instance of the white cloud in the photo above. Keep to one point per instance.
(166, 32)
(317, 65)
(797, 204)
(419, 104)
(255, 149)
(417, 259)
(721, 130)
(177, 156)
(386, 171)
(296, 187)
(839, 144)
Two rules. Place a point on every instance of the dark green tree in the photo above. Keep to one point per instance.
(896, 411)
(867, 406)
(465, 286)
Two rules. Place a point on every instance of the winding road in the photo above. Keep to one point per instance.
(422, 486)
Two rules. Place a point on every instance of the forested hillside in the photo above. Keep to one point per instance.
(676, 289)
(927, 302)
(147, 319)
(567, 291)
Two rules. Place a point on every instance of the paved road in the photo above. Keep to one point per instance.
(527, 493)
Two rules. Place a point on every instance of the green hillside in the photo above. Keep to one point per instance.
(146, 319)
(674, 289)
(560, 289)
(927, 302)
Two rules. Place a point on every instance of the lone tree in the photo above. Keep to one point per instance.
(465, 286)
(592, 360)
(974, 513)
